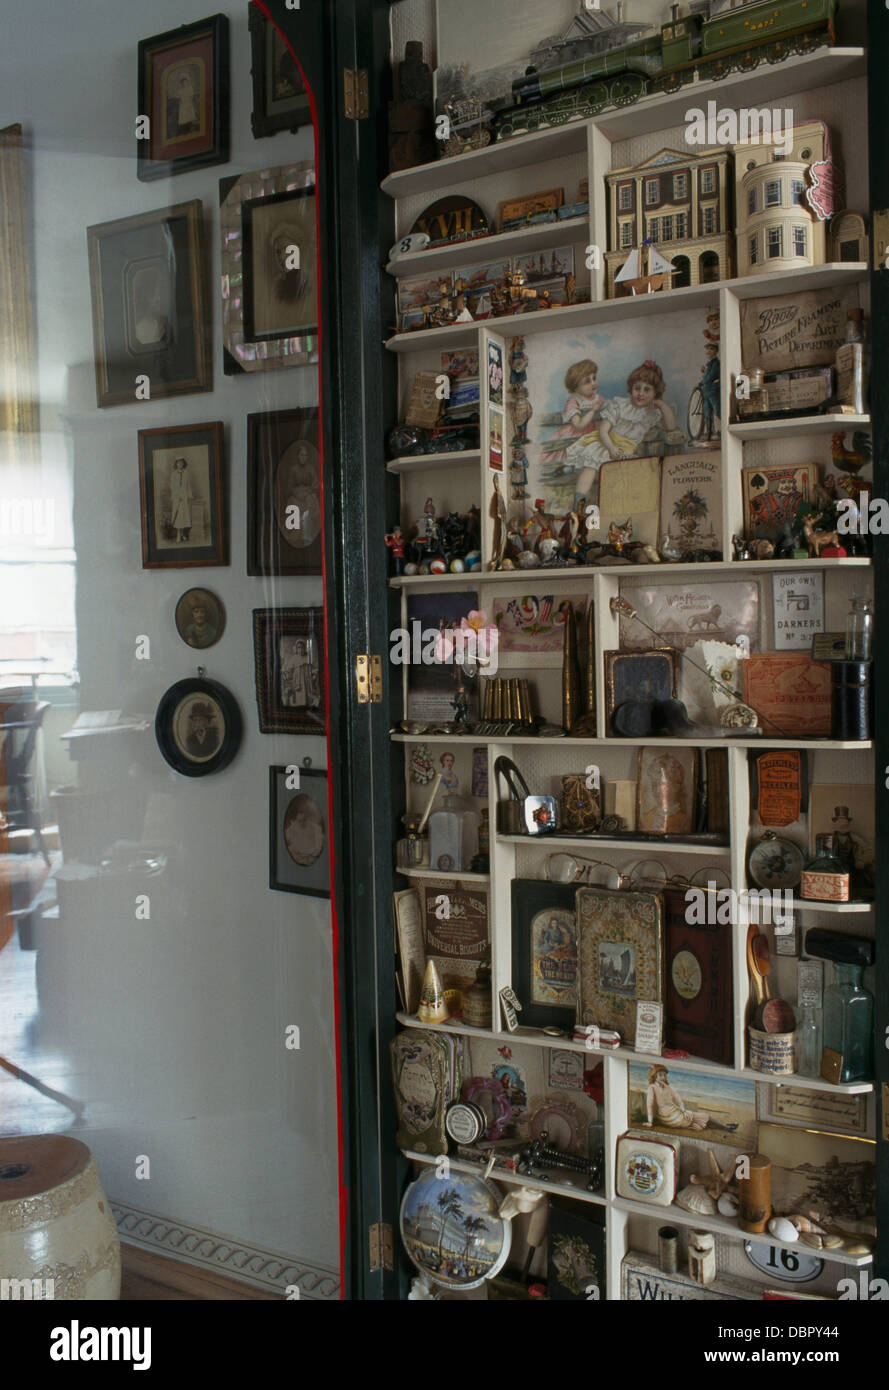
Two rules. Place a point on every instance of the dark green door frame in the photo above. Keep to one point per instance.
(357, 399)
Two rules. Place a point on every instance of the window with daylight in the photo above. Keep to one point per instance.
(654, 229)
(708, 221)
(708, 180)
(799, 241)
(652, 191)
(774, 243)
(680, 185)
(751, 200)
(753, 251)
(626, 234)
(773, 193)
(625, 197)
(797, 191)
(667, 228)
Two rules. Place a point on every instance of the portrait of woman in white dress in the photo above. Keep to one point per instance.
(181, 498)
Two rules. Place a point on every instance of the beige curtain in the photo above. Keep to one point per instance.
(19, 417)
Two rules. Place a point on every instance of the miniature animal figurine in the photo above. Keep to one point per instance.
(854, 459)
(702, 1257)
(620, 535)
(816, 541)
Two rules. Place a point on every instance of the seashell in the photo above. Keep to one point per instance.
(805, 1223)
(811, 1238)
(727, 1204)
(831, 1242)
(856, 1247)
(782, 1229)
(696, 1199)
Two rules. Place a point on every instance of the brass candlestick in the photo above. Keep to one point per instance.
(571, 707)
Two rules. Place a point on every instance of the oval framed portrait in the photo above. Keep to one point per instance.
(299, 859)
(198, 726)
(200, 618)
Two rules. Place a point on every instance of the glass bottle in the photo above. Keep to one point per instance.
(859, 630)
(825, 879)
(848, 1021)
(808, 1040)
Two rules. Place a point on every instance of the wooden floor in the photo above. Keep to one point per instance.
(147, 1277)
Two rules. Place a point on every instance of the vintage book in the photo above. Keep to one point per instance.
(621, 943)
(772, 496)
(789, 691)
(411, 953)
(544, 952)
(777, 780)
(784, 332)
(424, 406)
(691, 501)
(697, 983)
(718, 818)
(427, 1073)
(455, 930)
(631, 487)
(575, 1252)
(643, 1281)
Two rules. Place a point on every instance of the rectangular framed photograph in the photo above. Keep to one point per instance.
(184, 93)
(299, 831)
(666, 790)
(645, 676)
(288, 652)
(620, 935)
(284, 533)
(151, 325)
(280, 99)
(184, 515)
(269, 262)
(544, 952)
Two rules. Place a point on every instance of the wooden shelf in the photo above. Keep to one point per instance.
(566, 318)
(541, 236)
(536, 1038)
(572, 573)
(826, 745)
(561, 1183)
(648, 116)
(799, 905)
(808, 424)
(591, 842)
(424, 463)
(724, 1226)
(426, 872)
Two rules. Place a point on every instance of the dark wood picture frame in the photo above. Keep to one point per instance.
(194, 699)
(276, 499)
(273, 70)
(161, 548)
(646, 676)
(305, 710)
(529, 898)
(314, 880)
(211, 109)
(147, 278)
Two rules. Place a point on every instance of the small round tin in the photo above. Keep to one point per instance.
(465, 1122)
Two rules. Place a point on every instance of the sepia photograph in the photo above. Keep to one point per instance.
(184, 94)
(288, 646)
(298, 834)
(198, 726)
(200, 618)
(283, 493)
(183, 511)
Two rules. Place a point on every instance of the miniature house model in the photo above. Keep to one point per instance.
(681, 203)
(777, 229)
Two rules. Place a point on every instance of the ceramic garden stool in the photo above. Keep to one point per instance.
(55, 1221)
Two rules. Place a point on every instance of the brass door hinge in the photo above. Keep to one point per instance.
(380, 1246)
(369, 679)
(355, 99)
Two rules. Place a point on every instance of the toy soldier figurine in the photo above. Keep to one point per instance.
(460, 703)
(395, 541)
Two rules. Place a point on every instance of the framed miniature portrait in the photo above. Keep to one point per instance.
(544, 952)
(280, 99)
(269, 269)
(151, 327)
(620, 936)
(183, 498)
(200, 618)
(183, 93)
(284, 533)
(639, 676)
(288, 651)
(198, 727)
(666, 790)
(299, 831)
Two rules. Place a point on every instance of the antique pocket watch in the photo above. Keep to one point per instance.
(775, 862)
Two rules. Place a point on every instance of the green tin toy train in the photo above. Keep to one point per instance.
(688, 48)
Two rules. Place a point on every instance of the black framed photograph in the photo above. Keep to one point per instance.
(283, 493)
(280, 99)
(183, 497)
(200, 618)
(151, 330)
(298, 831)
(269, 269)
(184, 99)
(288, 651)
(544, 952)
(198, 726)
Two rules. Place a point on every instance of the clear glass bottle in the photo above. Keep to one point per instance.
(825, 879)
(808, 1040)
(848, 1021)
(859, 630)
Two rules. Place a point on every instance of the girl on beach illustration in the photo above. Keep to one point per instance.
(579, 413)
(624, 422)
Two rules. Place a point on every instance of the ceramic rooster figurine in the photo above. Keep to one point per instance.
(854, 459)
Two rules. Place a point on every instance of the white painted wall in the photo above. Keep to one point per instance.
(173, 1028)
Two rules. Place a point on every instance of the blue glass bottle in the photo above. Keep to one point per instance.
(849, 1022)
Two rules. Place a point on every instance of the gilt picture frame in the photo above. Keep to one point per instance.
(184, 93)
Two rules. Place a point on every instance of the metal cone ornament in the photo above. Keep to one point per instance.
(432, 1007)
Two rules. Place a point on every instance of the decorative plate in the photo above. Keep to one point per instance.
(451, 1230)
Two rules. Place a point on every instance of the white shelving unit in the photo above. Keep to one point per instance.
(828, 81)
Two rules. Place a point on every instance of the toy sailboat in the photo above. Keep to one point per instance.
(645, 270)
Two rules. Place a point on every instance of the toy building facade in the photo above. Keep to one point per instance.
(777, 230)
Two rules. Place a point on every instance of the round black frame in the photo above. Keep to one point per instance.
(163, 726)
